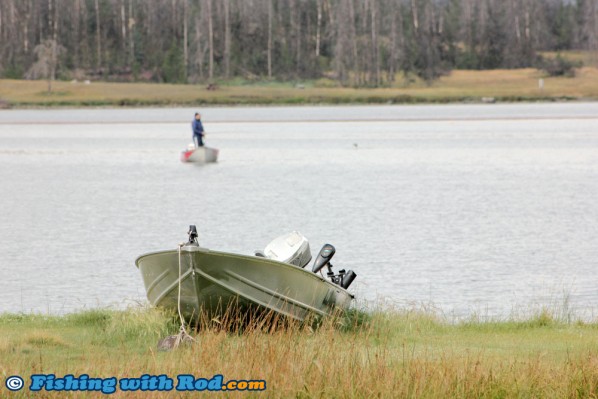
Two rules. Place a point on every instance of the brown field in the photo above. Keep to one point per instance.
(459, 86)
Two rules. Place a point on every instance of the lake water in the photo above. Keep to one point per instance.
(471, 209)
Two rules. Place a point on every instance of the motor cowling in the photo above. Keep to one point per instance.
(290, 248)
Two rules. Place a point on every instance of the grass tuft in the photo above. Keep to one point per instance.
(43, 339)
(91, 318)
(140, 323)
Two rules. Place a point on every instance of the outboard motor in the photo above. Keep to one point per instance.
(290, 248)
(344, 279)
(293, 248)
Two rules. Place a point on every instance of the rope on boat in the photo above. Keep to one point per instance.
(183, 334)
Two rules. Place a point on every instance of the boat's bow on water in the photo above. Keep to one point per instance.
(199, 154)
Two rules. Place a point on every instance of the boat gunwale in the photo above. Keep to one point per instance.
(271, 261)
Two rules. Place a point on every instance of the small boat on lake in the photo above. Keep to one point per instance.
(199, 154)
(206, 281)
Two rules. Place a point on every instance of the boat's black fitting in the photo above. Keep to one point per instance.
(260, 253)
(323, 258)
(344, 279)
(347, 279)
(192, 235)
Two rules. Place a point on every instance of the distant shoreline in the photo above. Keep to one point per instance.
(266, 103)
(517, 85)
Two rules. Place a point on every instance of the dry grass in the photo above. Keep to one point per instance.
(504, 85)
(381, 354)
(43, 339)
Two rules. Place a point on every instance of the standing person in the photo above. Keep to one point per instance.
(198, 131)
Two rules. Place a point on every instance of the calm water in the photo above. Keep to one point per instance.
(486, 209)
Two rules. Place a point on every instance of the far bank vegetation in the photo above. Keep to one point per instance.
(346, 42)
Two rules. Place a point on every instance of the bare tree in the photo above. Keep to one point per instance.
(98, 37)
(270, 11)
(375, 48)
(210, 38)
(123, 24)
(318, 26)
(47, 54)
(226, 38)
(198, 50)
(185, 38)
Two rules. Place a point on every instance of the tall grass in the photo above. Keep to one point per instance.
(363, 354)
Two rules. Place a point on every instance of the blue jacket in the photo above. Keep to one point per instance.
(197, 128)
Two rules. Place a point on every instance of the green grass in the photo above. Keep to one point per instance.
(385, 354)
(459, 86)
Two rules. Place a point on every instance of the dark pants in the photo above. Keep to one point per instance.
(198, 140)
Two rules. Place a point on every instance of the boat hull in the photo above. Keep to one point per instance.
(200, 155)
(211, 281)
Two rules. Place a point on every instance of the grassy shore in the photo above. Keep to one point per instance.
(380, 354)
(459, 86)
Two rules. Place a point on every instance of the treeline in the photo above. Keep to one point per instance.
(357, 42)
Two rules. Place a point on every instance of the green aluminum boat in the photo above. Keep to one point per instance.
(209, 282)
